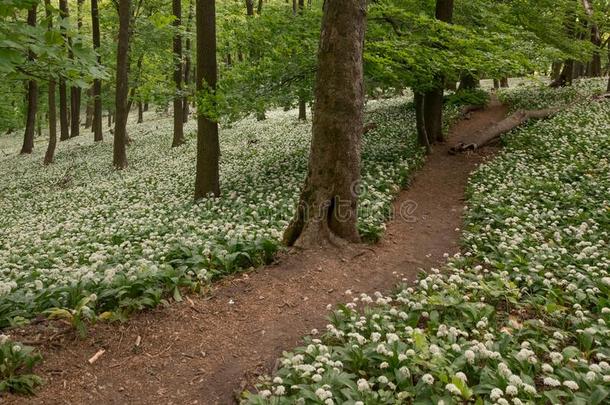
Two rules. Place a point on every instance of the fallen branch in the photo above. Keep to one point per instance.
(490, 134)
(96, 356)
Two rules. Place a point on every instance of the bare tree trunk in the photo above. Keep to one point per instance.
(49, 156)
(141, 112)
(208, 149)
(75, 91)
(504, 82)
(259, 7)
(64, 123)
(249, 7)
(178, 97)
(433, 99)
(187, 64)
(468, 81)
(327, 211)
(422, 135)
(89, 109)
(302, 109)
(496, 84)
(566, 75)
(97, 83)
(32, 98)
(595, 68)
(122, 89)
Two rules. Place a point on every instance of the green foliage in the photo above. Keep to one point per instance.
(477, 97)
(16, 363)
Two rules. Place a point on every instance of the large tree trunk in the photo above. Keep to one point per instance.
(433, 99)
(75, 91)
(249, 8)
(208, 149)
(178, 98)
(187, 64)
(50, 153)
(504, 82)
(327, 211)
(64, 123)
(490, 134)
(422, 134)
(566, 75)
(97, 83)
(122, 89)
(32, 98)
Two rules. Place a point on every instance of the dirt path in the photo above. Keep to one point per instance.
(203, 350)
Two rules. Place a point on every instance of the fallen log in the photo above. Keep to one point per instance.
(492, 133)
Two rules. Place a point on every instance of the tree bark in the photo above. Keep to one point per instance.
(504, 82)
(433, 99)
(178, 97)
(141, 112)
(89, 109)
(487, 135)
(327, 211)
(595, 67)
(97, 83)
(566, 75)
(259, 7)
(75, 91)
(187, 64)
(122, 83)
(422, 135)
(32, 98)
(496, 84)
(49, 156)
(249, 7)
(302, 109)
(208, 149)
(64, 123)
(468, 81)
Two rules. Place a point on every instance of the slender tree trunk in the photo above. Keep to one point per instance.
(327, 211)
(187, 64)
(496, 84)
(75, 91)
(433, 99)
(32, 98)
(422, 135)
(595, 68)
(140, 112)
(64, 123)
(122, 86)
(302, 109)
(208, 149)
(89, 109)
(97, 83)
(49, 156)
(259, 7)
(178, 96)
(608, 88)
(556, 70)
(567, 73)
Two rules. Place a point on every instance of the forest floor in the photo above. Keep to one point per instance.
(208, 348)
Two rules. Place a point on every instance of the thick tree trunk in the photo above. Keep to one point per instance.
(504, 82)
(97, 83)
(49, 156)
(566, 75)
(555, 70)
(249, 7)
(496, 84)
(422, 135)
(487, 135)
(122, 89)
(178, 97)
(327, 211)
(208, 149)
(433, 99)
(32, 98)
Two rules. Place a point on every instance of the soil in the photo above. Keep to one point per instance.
(208, 348)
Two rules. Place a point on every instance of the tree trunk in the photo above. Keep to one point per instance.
(566, 75)
(32, 98)
(433, 99)
(422, 135)
(302, 109)
(489, 134)
(496, 84)
(89, 109)
(468, 81)
(141, 112)
(49, 156)
(327, 211)
(504, 82)
(122, 83)
(208, 149)
(64, 123)
(97, 83)
(556, 70)
(187, 64)
(595, 67)
(75, 91)
(249, 7)
(178, 97)
(259, 7)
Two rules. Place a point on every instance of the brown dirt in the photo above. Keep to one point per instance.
(207, 348)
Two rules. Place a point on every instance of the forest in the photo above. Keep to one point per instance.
(305, 202)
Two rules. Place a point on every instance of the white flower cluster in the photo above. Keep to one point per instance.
(519, 317)
(80, 225)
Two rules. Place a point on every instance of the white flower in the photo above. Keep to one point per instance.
(461, 376)
(265, 393)
(280, 390)
(551, 382)
(428, 379)
(571, 385)
(363, 385)
(470, 356)
(496, 393)
(511, 390)
(453, 389)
